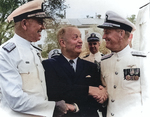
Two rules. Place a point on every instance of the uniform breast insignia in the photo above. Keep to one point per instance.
(131, 74)
(106, 56)
(9, 46)
(138, 54)
(131, 66)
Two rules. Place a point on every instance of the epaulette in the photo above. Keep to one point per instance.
(138, 54)
(9, 46)
(86, 56)
(106, 56)
(37, 48)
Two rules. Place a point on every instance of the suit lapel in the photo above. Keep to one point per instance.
(79, 68)
(65, 65)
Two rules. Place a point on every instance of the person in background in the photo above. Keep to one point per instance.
(72, 79)
(22, 80)
(124, 72)
(141, 40)
(93, 44)
(54, 53)
(95, 55)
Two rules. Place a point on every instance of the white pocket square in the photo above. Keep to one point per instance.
(88, 76)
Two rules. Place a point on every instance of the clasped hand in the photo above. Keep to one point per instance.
(99, 93)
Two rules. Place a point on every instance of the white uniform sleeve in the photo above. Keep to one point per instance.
(145, 86)
(15, 97)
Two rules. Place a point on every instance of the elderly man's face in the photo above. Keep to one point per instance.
(94, 46)
(34, 29)
(73, 41)
(113, 40)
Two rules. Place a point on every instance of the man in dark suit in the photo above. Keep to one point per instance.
(72, 79)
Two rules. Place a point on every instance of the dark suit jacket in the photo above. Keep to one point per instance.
(65, 84)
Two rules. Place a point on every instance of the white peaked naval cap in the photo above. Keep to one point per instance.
(113, 20)
(31, 9)
(54, 52)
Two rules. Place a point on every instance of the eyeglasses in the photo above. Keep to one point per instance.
(92, 43)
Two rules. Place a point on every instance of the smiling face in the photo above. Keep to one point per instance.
(71, 43)
(94, 46)
(115, 39)
(34, 28)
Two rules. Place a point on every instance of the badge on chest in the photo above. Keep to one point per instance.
(131, 74)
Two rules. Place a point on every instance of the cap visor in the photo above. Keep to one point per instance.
(108, 25)
(39, 15)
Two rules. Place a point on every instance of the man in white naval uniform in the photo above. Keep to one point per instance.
(141, 40)
(124, 71)
(93, 45)
(22, 78)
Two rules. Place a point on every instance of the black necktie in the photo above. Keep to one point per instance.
(71, 63)
(98, 64)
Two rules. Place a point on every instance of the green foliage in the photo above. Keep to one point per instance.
(132, 19)
(44, 54)
(51, 41)
(6, 7)
(53, 8)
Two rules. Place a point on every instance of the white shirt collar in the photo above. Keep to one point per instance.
(75, 62)
(96, 54)
(21, 40)
(123, 52)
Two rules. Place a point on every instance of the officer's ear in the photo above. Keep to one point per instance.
(62, 43)
(24, 24)
(121, 34)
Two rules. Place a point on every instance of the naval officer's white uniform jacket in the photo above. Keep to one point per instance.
(22, 80)
(128, 96)
(141, 40)
(92, 57)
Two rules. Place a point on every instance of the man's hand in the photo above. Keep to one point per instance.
(60, 109)
(71, 107)
(104, 97)
(99, 93)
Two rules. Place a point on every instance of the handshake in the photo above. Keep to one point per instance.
(99, 93)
